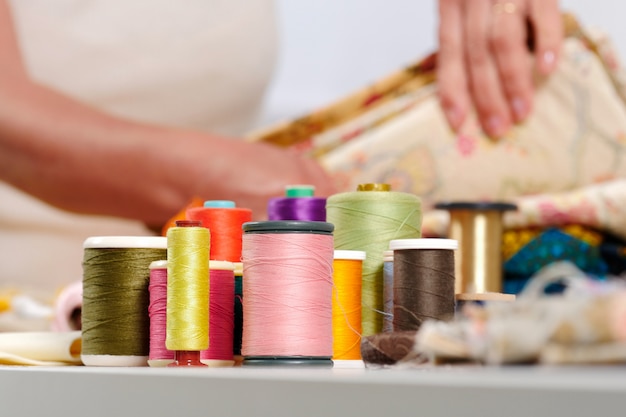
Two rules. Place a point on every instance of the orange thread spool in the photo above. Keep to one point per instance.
(347, 278)
(225, 222)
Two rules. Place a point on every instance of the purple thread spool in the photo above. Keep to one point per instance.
(299, 204)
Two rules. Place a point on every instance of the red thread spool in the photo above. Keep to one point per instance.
(225, 221)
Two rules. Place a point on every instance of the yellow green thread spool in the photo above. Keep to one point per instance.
(367, 220)
(187, 328)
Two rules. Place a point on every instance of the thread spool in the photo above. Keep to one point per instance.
(463, 300)
(388, 290)
(68, 308)
(347, 273)
(221, 315)
(298, 204)
(115, 323)
(159, 355)
(187, 327)
(368, 220)
(478, 229)
(238, 310)
(423, 281)
(287, 293)
(224, 220)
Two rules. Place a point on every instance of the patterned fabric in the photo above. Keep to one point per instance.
(566, 164)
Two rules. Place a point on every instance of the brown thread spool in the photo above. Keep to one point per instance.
(423, 281)
(478, 229)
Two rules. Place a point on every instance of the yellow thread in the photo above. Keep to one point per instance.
(347, 309)
(187, 327)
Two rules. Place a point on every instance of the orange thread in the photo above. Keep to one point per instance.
(225, 226)
(347, 276)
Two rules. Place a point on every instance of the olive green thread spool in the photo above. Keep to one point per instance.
(115, 323)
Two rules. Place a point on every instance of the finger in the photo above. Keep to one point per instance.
(548, 27)
(451, 79)
(486, 90)
(508, 45)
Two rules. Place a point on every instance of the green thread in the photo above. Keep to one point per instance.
(368, 221)
(115, 300)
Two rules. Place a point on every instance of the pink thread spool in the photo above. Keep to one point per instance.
(221, 315)
(287, 293)
(159, 355)
(67, 308)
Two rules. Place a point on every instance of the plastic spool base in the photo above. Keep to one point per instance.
(159, 363)
(292, 361)
(348, 364)
(114, 360)
(218, 363)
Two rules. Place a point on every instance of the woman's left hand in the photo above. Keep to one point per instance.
(484, 61)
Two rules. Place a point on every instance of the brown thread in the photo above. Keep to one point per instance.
(423, 287)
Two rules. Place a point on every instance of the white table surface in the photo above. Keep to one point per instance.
(444, 391)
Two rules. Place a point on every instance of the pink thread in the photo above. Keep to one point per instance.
(70, 299)
(287, 294)
(221, 315)
(157, 311)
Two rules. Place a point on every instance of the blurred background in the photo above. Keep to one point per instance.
(329, 48)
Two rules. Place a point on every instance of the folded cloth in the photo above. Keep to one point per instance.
(40, 348)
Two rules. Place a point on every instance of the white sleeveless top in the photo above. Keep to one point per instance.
(201, 64)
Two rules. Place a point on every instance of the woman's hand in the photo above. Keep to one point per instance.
(484, 61)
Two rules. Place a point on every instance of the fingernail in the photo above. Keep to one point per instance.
(520, 109)
(453, 115)
(548, 61)
(495, 127)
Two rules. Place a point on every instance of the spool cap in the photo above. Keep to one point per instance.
(350, 255)
(124, 242)
(219, 204)
(221, 265)
(158, 264)
(289, 226)
(426, 243)
(188, 223)
(374, 187)
(300, 190)
(476, 206)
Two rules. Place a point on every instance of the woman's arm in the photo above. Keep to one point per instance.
(80, 159)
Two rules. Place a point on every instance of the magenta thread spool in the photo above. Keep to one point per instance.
(221, 315)
(287, 293)
(238, 312)
(159, 355)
